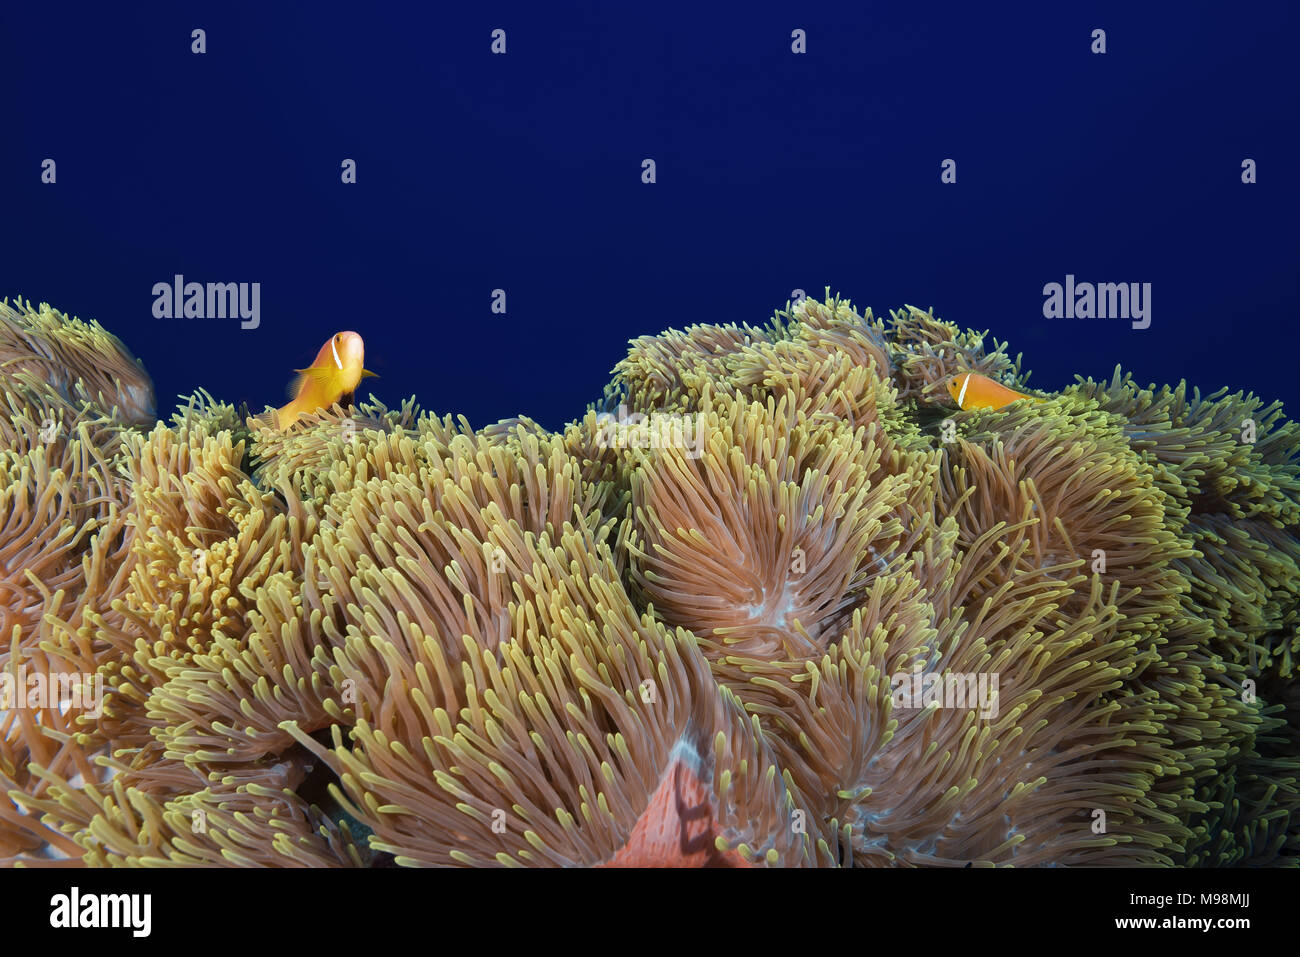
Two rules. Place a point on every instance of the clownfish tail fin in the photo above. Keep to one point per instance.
(285, 416)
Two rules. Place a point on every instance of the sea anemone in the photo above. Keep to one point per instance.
(81, 362)
(772, 601)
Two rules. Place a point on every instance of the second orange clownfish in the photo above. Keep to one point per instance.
(971, 390)
(338, 367)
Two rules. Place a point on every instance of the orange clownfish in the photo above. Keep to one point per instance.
(971, 390)
(335, 373)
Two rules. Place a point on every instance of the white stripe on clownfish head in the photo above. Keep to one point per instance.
(961, 399)
(334, 344)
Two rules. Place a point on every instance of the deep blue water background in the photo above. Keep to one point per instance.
(775, 171)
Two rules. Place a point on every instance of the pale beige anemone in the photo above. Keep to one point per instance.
(80, 361)
(386, 637)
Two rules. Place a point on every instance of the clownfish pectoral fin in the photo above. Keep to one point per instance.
(319, 373)
(367, 374)
(314, 373)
